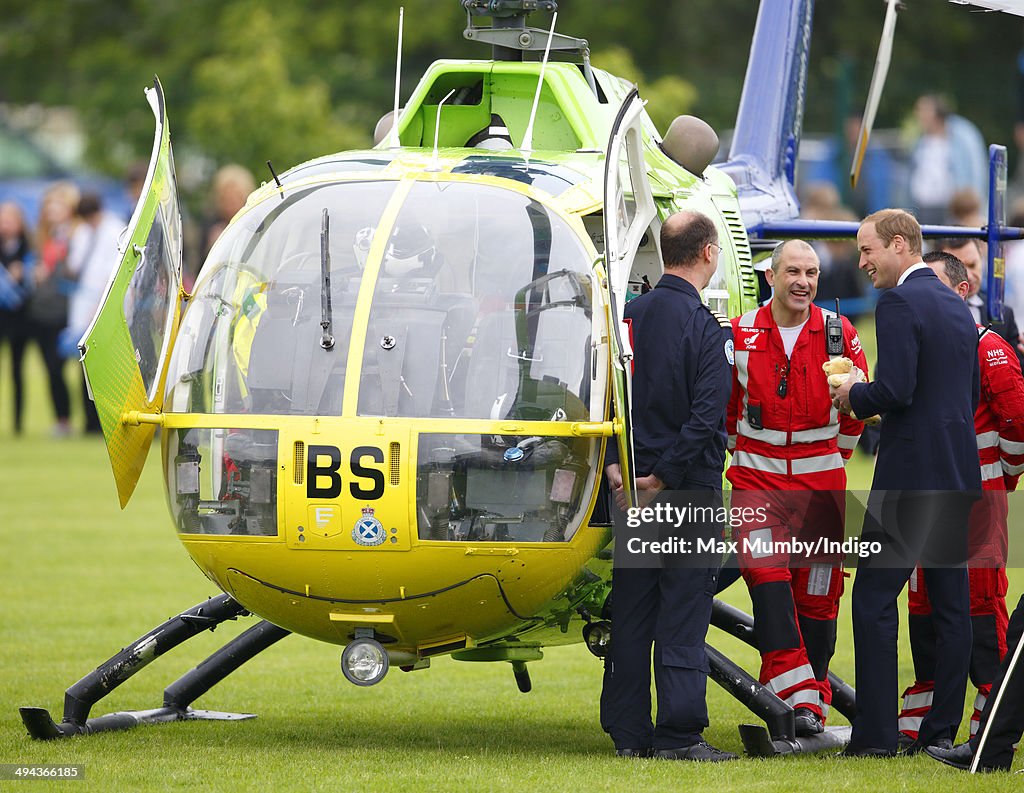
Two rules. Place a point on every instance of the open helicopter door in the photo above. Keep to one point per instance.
(628, 211)
(127, 346)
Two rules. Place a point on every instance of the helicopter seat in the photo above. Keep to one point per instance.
(288, 371)
(492, 372)
(460, 315)
(550, 375)
(561, 357)
(413, 344)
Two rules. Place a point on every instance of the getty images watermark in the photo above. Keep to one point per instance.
(799, 528)
(759, 543)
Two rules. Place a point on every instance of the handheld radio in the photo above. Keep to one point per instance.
(834, 333)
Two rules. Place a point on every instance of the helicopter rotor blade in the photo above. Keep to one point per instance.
(875, 91)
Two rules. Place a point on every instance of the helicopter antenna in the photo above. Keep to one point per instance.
(277, 181)
(326, 340)
(527, 145)
(437, 131)
(395, 142)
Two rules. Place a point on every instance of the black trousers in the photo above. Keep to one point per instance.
(12, 328)
(1008, 724)
(931, 526)
(668, 607)
(46, 337)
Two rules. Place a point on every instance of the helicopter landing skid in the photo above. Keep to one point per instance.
(759, 743)
(736, 623)
(79, 699)
(778, 735)
(41, 725)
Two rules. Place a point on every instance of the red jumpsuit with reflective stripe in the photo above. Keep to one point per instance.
(999, 425)
(789, 448)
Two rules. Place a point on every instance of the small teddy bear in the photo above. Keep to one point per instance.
(839, 371)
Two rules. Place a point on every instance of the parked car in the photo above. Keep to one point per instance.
(27, 170)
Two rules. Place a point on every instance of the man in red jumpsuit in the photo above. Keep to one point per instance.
(999, 425)
(789, 449)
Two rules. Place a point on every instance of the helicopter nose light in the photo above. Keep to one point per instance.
(364, 662)
(598, 636)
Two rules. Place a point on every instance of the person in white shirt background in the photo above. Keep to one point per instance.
(92, 257)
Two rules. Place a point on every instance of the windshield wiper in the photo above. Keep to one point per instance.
(326, 340)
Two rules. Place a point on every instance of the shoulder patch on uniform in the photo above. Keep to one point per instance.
(723, 321)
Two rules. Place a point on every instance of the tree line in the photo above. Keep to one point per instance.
(252, 80)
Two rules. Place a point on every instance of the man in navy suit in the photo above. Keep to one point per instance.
(927, 474)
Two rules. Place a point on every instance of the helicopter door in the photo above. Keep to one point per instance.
(127, 346)
(628, 211)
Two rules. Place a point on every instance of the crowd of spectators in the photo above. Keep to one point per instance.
(938, 171)
(53, 277)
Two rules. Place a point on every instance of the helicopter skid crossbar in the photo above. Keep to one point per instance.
(778, 736)
(196, 682)
(736, 623)
(763, 703)
(79, 699)
(759, 743)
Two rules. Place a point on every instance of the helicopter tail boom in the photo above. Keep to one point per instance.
(762, 159)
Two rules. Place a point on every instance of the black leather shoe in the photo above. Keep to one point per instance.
(701, 752)
(956, 756)
(903, 742)
(865, 751)
(960, 756)
(807, 722)
(646, 752)
(917, 747)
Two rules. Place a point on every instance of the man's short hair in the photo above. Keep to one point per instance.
(892, 222)
(778, 251)
(684, 235)
(954, 269)
(956, 243)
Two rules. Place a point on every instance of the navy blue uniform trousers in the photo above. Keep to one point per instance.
(669, 607)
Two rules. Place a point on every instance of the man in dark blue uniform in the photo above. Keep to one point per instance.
(681, 385)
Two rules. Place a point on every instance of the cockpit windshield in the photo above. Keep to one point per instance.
(250, 339)
(482, 307)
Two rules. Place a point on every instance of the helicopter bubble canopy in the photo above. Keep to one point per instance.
(479, 297)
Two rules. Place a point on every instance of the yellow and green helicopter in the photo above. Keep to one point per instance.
(384, 407)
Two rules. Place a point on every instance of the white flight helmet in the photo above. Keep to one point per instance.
(410, 251)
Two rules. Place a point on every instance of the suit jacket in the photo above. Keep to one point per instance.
(926, 388)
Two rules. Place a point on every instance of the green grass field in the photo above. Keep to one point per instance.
(81, 579)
